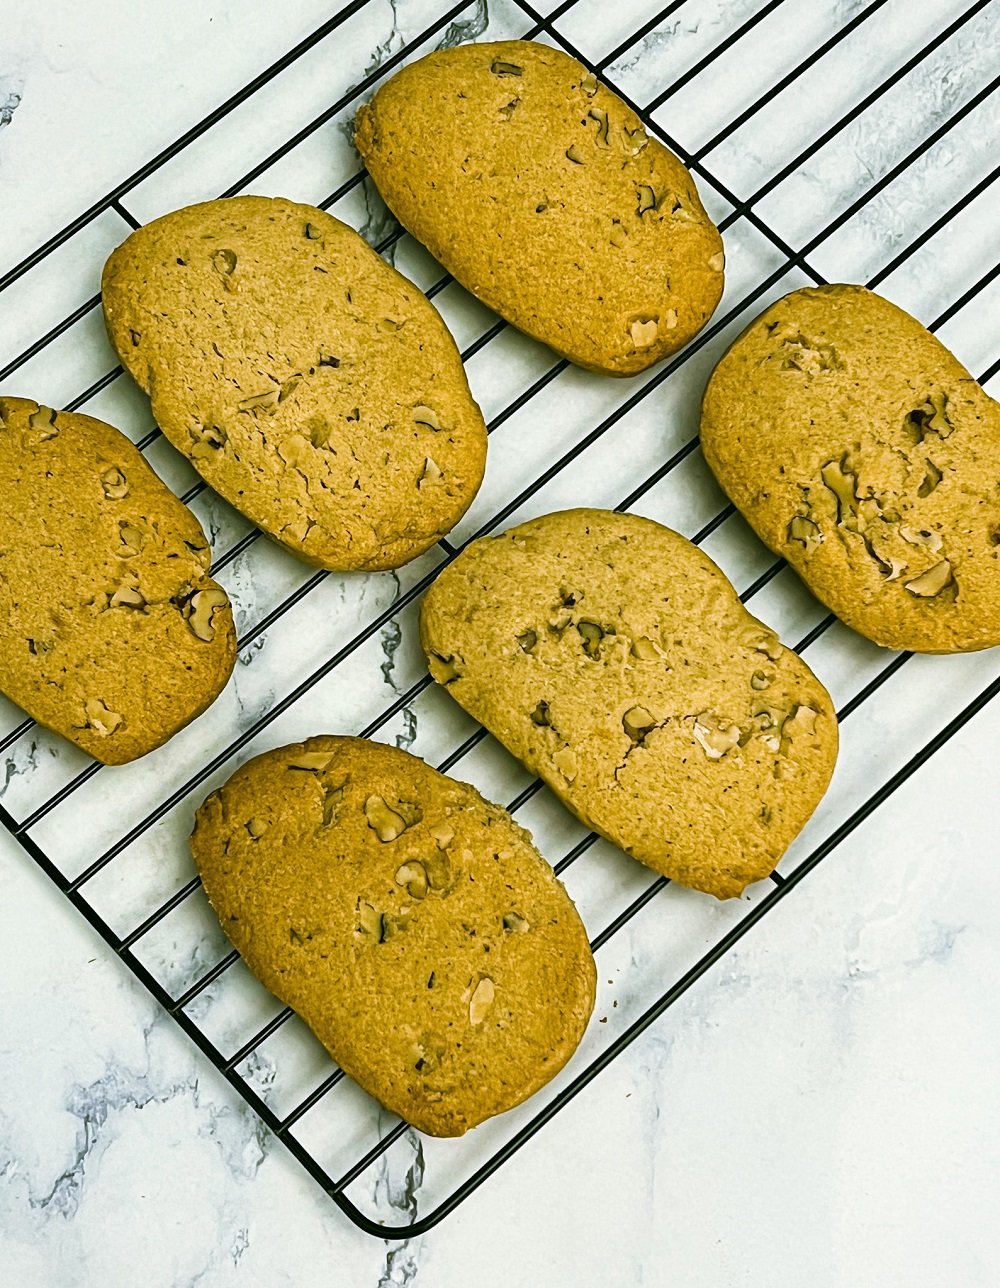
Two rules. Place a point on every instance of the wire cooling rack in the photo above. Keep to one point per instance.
(895, 188)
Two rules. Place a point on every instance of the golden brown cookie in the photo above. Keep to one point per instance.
(309, 383)
(410, 923)
(615, 660)
(112, 633)
(540, 191)
(859, 448)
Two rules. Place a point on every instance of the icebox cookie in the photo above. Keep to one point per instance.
(616, 661)
(540, 191)
(858, 447)
(112, 633)
(410, 923)
(309, 383)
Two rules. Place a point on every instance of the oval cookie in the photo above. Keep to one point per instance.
(616, 661)
(112, 633)
(410, 923)
(309, 383)
(540, 191)
(859, 448)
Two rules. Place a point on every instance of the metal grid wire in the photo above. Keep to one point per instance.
(351, 1139)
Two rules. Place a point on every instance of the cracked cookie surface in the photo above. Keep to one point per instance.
(858, 447)
(112, 633)
(308, 382)
(411, 924)
(614, 659)
(540, 191)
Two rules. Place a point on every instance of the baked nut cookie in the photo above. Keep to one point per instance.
(411, 924)
(539, 190)
(309, 383)
(615, 660)
(859, 448)
(112, 633)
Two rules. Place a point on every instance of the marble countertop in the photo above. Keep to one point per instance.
(819, 1107)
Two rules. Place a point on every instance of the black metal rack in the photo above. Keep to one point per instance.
(51, 806)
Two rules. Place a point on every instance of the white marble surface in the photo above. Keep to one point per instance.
(820, 1108)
